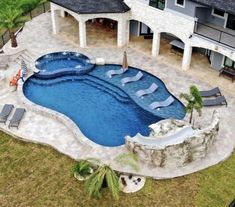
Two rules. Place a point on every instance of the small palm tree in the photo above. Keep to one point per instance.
(103, 175)
(194, 102)
(11, 19)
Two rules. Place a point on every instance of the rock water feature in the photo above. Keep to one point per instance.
(174, 143)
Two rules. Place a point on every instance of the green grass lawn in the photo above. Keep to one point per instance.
(35, 175)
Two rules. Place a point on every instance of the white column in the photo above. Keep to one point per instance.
(127, 32)
(187, 56)
(55, 21)
(156, 44)
(121, 36)
(62, 13)
(82, 33)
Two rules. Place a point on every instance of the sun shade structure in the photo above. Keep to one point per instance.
(93, 6)
(224, 5)
(125, 63)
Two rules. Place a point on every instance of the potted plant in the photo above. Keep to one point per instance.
(83, 169)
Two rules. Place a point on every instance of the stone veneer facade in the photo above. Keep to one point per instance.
(178, 154)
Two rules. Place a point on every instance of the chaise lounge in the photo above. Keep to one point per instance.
(160, 104)
(111, 73)
(147, 91)
(218, 101)
(17, 117)
(6, 111)
(135, 78)
(212, 92)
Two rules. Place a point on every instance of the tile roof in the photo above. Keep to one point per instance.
(225, 5)
(93, 6)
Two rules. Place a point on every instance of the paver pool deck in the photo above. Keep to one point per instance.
(37, 37)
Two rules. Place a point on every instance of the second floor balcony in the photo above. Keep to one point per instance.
(216, 33)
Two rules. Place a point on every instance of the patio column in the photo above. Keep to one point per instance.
(82, 33)
(62, 13)
(122, 26)
(156, 44)
(128, 32)
(55, 21)
(187, 56)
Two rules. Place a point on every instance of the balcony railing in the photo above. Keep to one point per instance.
(215, 34)
(42, 8)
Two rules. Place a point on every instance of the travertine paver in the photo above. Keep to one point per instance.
(37, 37)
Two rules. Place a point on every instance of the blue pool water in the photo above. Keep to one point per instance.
(100, 116)
(102, 108)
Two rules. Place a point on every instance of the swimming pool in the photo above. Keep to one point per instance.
(102, 108)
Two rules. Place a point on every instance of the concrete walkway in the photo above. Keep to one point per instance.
(37, 37)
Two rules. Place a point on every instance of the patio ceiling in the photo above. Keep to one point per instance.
(93, 6)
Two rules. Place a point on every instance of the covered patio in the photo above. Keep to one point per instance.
(87, 12)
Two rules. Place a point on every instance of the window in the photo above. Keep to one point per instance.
(229, 63)
(218, 13)
(180, 3)
(159, 4)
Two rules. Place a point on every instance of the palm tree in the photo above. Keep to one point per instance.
(194, 101)
(11, 19)
(103, 175)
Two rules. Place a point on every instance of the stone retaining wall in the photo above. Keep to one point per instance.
(177, 155)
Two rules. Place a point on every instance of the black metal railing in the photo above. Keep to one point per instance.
(215, 34)
(42, 8)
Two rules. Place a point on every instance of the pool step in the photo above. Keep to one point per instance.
(108, 90)
(114, 90)
(95, 82)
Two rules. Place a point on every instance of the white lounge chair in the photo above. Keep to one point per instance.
(111, 73)
(135, 78)
(159, 104)
(147, 91)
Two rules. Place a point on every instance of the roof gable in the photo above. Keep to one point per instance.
(93, 6)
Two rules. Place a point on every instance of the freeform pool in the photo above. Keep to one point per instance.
(102, 108)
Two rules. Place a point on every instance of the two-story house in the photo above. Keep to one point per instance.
(205, 26)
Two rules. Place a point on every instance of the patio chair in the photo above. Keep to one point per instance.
(6, 111)
(160, 104)
(17, 117)
(147, 91)
(111, 73)
(220, 100)
(212, 92)
(135, 78)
